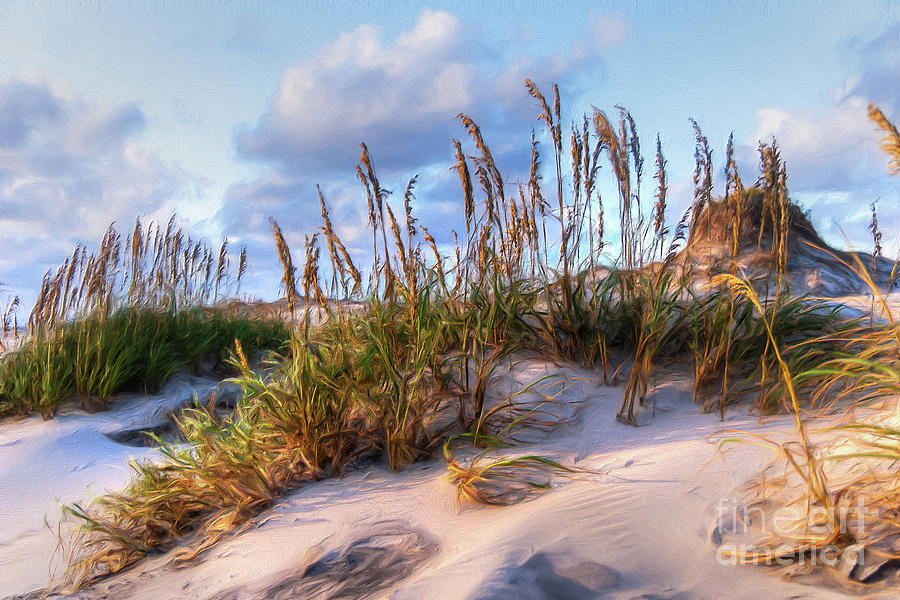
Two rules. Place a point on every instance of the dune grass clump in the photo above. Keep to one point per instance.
(125, 318)
(501, 481)
(288, 429)
(842, 490)
(839, 492)
(359, 383)
(92, 359)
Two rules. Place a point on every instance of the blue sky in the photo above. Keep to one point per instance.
(229, 114)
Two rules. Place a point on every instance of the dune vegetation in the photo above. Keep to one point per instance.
(529, 273)
(127, 317)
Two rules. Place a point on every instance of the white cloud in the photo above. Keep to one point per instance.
(833, 152)
(825, 150)
(68, 167)
(399, 96)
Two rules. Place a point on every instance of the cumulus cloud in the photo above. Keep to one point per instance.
(817, 146)
(68, 167)
(400, 96)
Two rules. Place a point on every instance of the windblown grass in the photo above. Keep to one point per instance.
(890, 141)
(434, 327)
(847, 497)
(359, 383)
(501, 481)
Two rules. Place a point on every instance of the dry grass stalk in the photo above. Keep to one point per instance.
(876, 238)
(221, 265)
(703, 179)
(312, 288)
(773, 181)
(618, 157)
(734, 196)
(413, 257)
(343, 260)
(242, 266)
(554, 126)
(590, 166)
(539, 206)
(659, 209)
(287, 266)
(377, 196)
(890, 141)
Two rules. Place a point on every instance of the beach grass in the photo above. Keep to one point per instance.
(128, 317)
(432, 326)
(90, 360)
(841, 487)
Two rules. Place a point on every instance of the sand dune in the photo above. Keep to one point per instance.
(636, 523)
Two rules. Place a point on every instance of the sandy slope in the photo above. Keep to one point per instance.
(636, 526)
(66, 459)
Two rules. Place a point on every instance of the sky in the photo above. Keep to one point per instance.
(228, 114)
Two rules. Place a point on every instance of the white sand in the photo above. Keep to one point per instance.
(66, 459)
(637, 527)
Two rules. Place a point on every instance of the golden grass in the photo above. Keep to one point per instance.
(284, 256)
(434, 328)
(890, 141)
